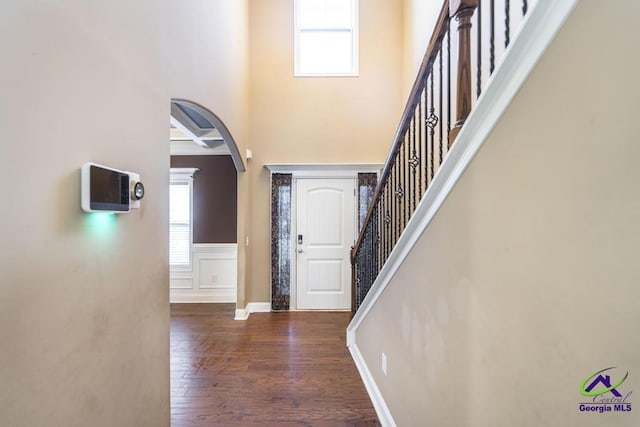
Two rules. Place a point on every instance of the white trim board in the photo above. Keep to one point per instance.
(324, 170)
(252, 307)
(538, 30)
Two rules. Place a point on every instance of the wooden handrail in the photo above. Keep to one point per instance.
(439, 32)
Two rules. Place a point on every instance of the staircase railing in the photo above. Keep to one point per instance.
(438, 105)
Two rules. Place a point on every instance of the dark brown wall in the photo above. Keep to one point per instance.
(214, 197)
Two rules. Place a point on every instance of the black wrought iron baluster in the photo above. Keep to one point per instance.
(407, 174)
(427, 153)
(386, 221)
(507, 19)
(391, 212)
(396, 204)
(383, 223)
(398, 199)
(389, 215)
(383, 219)
(449, 84)
(492, 36)
(412, 181)
(431, 122)
(440, 107)
(376, 220)
(376, 242)
(479, 71)
(383, 229)
(356, 281)
(400, 189)
(404, 187)
(372, 258)
(407, 178)
(403, 184)
(392, 202)
(368, 261)
(365, 276)
(365, 279)
(359, 279)
(396, 216)
(418, 152)
(394, 211)
(360, 276)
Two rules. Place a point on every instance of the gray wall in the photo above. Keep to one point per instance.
(526, 282)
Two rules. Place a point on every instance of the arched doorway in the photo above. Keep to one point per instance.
(205, 162)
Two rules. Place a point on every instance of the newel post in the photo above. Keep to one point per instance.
(462, 10)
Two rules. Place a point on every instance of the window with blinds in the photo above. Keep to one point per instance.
(180, 220)
(326, 38)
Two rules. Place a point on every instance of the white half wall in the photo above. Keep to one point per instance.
(213, 277)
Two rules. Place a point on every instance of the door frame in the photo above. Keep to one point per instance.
(315, 171)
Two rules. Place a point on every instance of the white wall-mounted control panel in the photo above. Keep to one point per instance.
(106, 189)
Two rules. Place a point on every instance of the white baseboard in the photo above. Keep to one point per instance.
(200, 298)
(252, 307)
(382, 410)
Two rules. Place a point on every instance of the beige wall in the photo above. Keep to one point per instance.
(526, 282)
(316, 120)
(84, 310)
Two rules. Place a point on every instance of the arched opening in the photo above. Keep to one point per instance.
(203, 219)
(204, 128)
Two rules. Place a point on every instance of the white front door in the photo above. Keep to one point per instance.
(325, 228)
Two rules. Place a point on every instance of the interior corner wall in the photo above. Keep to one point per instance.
(316, 120)
(526, 281)
(84, 312)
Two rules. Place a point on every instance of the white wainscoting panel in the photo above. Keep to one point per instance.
(213, 278)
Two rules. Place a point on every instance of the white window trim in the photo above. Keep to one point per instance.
(355, 45)
(184, 175)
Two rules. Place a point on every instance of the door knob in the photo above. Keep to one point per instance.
(300, 250)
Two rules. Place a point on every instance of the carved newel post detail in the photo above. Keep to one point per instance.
(462, 10)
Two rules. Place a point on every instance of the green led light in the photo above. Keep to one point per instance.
(101, 223)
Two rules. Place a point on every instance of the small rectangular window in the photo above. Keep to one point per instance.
(326, 38)
(180, 220)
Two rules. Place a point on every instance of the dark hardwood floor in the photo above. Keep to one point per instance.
(278, 369)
